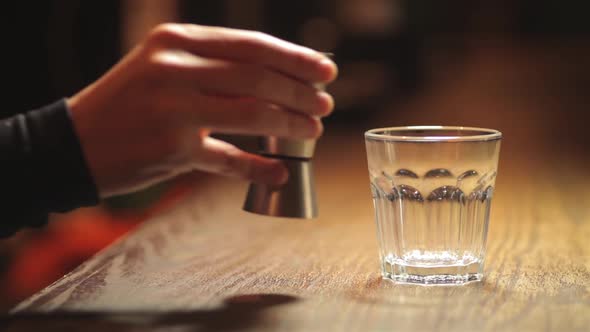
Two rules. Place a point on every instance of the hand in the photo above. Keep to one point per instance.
(149, 118)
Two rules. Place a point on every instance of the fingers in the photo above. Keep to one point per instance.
(222, 158)
(246, 116)
(250, 47)
(256, 81)
(222, 77)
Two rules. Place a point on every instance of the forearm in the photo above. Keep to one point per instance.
(42, 168)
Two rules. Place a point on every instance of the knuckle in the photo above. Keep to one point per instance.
(164, 33)
(255, 39)
(166, 29)
(255, 43)
(298, 93)
(252, 114)
(260, 36)
(157, 63)
(300, 62)
(257, 76)
(259, 114)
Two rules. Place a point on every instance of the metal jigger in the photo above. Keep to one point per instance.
(296, 198)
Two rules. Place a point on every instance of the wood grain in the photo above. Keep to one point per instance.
(207, 265)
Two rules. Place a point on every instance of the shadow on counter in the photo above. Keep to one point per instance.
(237, 312)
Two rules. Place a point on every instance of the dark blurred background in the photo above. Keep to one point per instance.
(520, 66)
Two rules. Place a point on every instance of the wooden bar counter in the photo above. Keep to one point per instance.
(205, 265)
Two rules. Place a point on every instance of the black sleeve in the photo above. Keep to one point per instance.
(42, 168)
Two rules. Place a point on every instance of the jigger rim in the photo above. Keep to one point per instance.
(433, 134)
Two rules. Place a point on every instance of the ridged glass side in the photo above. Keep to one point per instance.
(432, 189)
(434, 236)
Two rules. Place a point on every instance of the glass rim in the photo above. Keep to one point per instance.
(481, 134)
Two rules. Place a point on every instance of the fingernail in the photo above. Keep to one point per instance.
(326, 62)
(315, 128)
(331, 68)
(326, 102)
(320, 127)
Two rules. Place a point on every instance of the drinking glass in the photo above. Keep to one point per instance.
(432, 188)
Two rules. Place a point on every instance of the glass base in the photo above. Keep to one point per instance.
(458, 273)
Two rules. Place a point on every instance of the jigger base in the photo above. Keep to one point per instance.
(295, 199)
